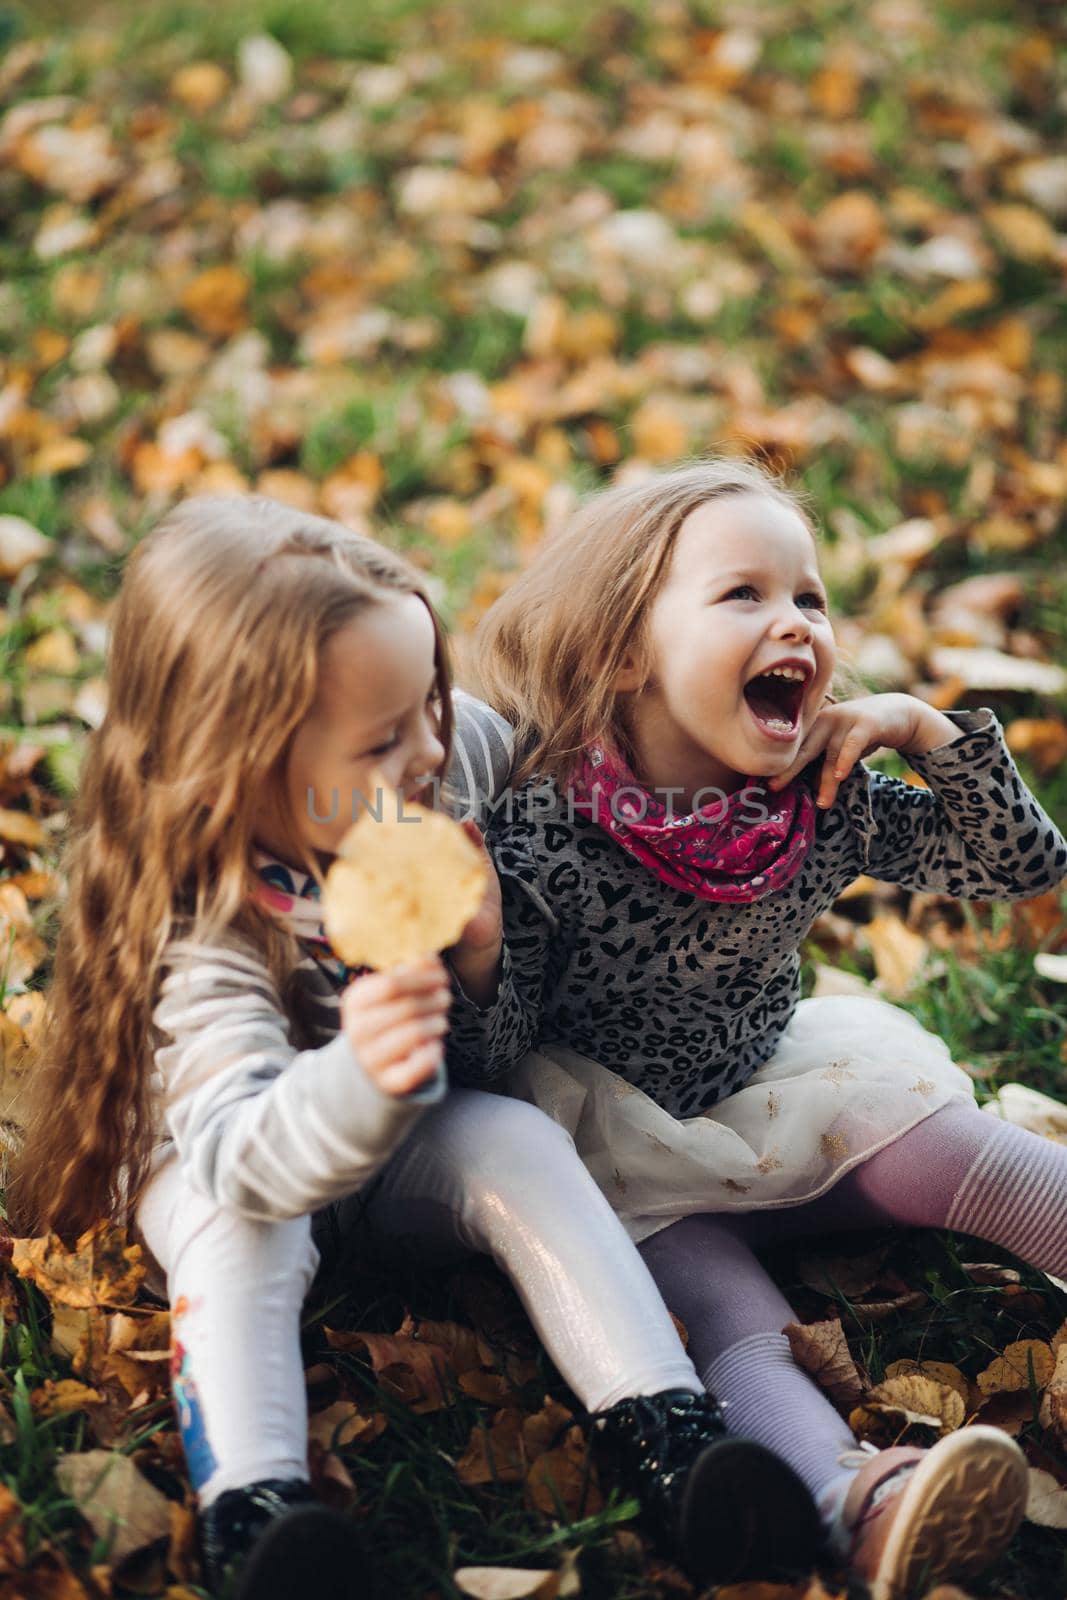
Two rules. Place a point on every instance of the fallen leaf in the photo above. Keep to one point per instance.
(494, 1454)
(1042, 740)
(265, 68)
(117, 1501)
(1010, 1372)
(54, 651)
(899, 954)
(101, 1270)
(506, 1583)
(991, 1273)
(199, 85)
(344, 1424)
(1011, 1413)
(1046, 1503)
(12, 1538)
(564, 1478)
(919, 1400)
(1054, 1405)
(215, 300)
(460, 1344)
(416, 1370)
(18, 827)
(942, 1372)
(57, 1397)
(489, 1387)
(59, 455)
(847, 1275)
(80, 163)
(992, 669)
(49, 1578)
(821, 1349)
(1023, 233)
(848, 231)
(1029, 1108)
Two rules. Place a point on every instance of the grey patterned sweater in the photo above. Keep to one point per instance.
(686, 997)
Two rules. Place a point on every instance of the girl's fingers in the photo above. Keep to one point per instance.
(850, 748)
(374, 1020)
(396, 1044)
(371, 1021)
(842, 753)
(810, 746)
(827, 791)
(419, 1068)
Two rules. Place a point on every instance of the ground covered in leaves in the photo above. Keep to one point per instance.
(436, 271)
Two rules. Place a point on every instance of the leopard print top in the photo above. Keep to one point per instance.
(686, 997)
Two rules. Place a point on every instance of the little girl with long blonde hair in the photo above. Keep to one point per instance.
(689, 796)
(213, 1076)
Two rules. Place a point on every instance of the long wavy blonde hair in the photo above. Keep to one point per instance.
(547, 653)
(218, 632)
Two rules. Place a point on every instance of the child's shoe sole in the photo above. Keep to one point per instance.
(311, 1553)
(956, 1515)
(745, 1514)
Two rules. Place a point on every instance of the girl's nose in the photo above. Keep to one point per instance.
(428, 758)
(796, 623)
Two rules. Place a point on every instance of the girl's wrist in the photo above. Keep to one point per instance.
(932, 729)
(477, 972)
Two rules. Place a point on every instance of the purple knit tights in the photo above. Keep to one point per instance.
(959, 1169)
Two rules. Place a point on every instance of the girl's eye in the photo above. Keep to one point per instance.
(816, 600)
(740, 590)
(383, 749)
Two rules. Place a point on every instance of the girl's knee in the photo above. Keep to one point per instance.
(504, 1139)
(213, 1241)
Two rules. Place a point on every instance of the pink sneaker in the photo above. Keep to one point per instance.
(918, 1516)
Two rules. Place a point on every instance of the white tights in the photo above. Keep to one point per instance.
(480, 1172)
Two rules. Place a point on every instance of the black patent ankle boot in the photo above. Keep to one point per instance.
(274, 1540)
(723, 1507)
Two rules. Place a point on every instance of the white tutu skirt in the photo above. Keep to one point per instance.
(851, 1074)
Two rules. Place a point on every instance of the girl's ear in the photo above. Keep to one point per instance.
(629, 675)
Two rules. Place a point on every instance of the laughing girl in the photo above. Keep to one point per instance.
(691, 796)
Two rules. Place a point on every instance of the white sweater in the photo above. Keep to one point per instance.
(262, 1128)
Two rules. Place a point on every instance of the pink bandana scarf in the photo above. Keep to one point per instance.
(293, 897)
(713, 853)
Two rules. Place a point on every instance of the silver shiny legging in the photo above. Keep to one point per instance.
(480, 1172)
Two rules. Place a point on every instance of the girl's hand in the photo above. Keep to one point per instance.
(396, 1022)
(855, 728)
(477, 955)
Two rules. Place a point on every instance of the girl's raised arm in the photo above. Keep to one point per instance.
(977, 832)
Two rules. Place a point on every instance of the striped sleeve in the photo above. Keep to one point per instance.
(262, 1128)
(481, 759)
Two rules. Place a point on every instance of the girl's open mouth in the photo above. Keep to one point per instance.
(775, 704)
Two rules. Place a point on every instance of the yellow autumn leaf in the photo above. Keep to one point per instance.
(215, 300)
(918, 1400)
(821, 1349)
(405, 883)
(898, 954)
(1010, 1371)
(18, 827)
